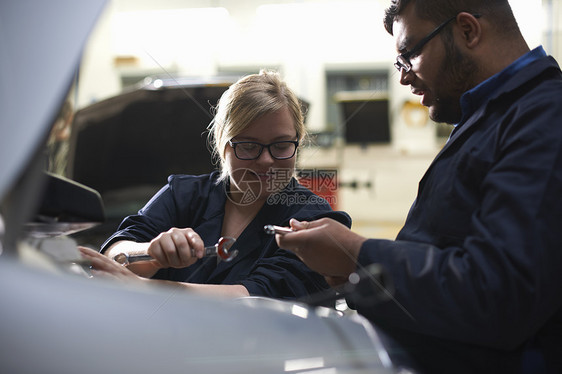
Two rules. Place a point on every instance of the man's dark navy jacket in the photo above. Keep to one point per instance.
(264, 269)
(477, 267)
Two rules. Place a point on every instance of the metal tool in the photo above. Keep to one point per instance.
(221, 249)
(273, 229)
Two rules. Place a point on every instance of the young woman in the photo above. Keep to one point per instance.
(257, 129)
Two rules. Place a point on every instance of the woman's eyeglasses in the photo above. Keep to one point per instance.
(281, 150)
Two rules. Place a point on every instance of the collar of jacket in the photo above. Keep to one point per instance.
(529, 74)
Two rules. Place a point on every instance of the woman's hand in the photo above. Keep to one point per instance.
(104, 267)
(176, 248)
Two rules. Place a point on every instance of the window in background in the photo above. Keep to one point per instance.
(357, 106)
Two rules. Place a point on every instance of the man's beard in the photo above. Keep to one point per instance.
(458, 77)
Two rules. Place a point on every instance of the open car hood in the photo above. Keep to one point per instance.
(41, 44)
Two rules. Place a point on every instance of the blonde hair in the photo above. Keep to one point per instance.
(246, 100)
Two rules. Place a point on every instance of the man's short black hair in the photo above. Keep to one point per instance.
(437, 11)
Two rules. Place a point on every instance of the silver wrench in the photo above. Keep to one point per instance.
(220, 249)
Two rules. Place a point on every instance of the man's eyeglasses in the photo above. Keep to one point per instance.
(282, 150)
(403, 60)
